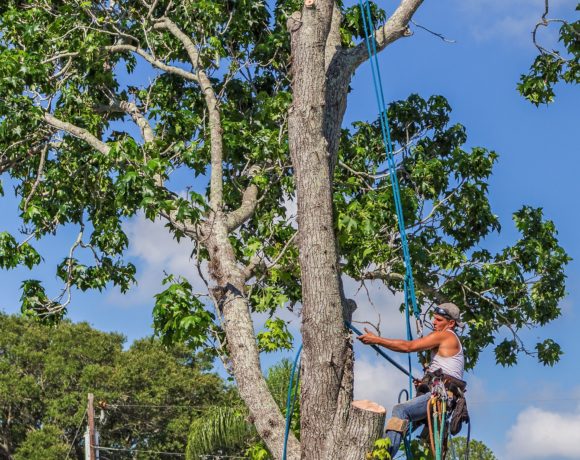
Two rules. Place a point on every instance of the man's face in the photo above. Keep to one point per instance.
(440, 323)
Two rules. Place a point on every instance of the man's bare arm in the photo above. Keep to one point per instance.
(433, 340)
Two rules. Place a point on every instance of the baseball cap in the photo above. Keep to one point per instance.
(451, 311)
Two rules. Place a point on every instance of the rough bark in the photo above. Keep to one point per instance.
(323, 335)
(239, 329)
(330, 426)
(365, 424)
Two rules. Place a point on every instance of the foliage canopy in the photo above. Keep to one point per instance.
(47, 373)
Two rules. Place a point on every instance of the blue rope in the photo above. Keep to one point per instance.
(409, 283)
(386, 132)
(290, 400)
(382, 353)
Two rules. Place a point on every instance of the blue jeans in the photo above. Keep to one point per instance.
(413, 411)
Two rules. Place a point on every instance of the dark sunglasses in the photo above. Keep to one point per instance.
(439, 311)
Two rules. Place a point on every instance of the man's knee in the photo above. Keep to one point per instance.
(399, 411)
(397, 424)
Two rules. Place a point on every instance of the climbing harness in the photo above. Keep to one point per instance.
(436, 414)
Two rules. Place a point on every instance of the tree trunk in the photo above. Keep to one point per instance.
(314, 126)
(244, 355)
(365, 424)
(331, 427)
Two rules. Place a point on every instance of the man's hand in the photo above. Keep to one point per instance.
(368, 338)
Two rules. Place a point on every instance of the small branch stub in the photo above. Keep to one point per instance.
(309, 3)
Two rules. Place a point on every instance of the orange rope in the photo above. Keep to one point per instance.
(430, 423)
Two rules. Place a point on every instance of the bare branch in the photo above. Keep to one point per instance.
(43, 153)
(246, 209)
(78, 132)
(215, 125)
(396, 27)
(437, 34)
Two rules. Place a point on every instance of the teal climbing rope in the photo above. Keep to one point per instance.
(291, 400)
(409, 284)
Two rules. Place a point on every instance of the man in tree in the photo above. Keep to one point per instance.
(208, 116)
(446, 355)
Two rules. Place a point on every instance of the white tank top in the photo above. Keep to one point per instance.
(450, 365)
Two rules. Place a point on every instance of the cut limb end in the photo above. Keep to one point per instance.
(365, 404)
(309, 3)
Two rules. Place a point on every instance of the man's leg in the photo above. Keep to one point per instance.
(409, 411)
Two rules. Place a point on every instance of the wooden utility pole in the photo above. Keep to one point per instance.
(92, 437)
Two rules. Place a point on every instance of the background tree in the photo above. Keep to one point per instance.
(456, 450)
(47, 373)
(228, 429)
(250, 100)
(477, 449)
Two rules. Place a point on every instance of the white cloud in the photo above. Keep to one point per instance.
(156, 252)
(376, 304)
(378, 380)
(544, 434)
(511, 21)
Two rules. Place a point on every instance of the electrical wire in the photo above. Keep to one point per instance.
(76, 434)
(159, 452)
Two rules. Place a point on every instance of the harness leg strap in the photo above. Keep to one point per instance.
(397, 424)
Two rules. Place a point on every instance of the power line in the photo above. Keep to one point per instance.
(76, 434)
(159, 406)
(115, 449)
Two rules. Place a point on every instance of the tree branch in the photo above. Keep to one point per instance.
(153, 61)
(249, 201)
(215, 125)
(78, 132)
(131, 109)
(333, 41)
(396, 27)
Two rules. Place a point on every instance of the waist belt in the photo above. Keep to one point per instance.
(455, 386)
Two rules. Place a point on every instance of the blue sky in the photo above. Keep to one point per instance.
(527, 411)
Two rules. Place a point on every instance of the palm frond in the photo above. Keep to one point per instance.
(219, 430)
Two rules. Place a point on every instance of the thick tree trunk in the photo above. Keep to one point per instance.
(365, 424)
(323, 335)
(331, 426)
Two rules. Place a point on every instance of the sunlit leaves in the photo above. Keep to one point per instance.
(444, 191)
(275, 337)
(179, 316)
